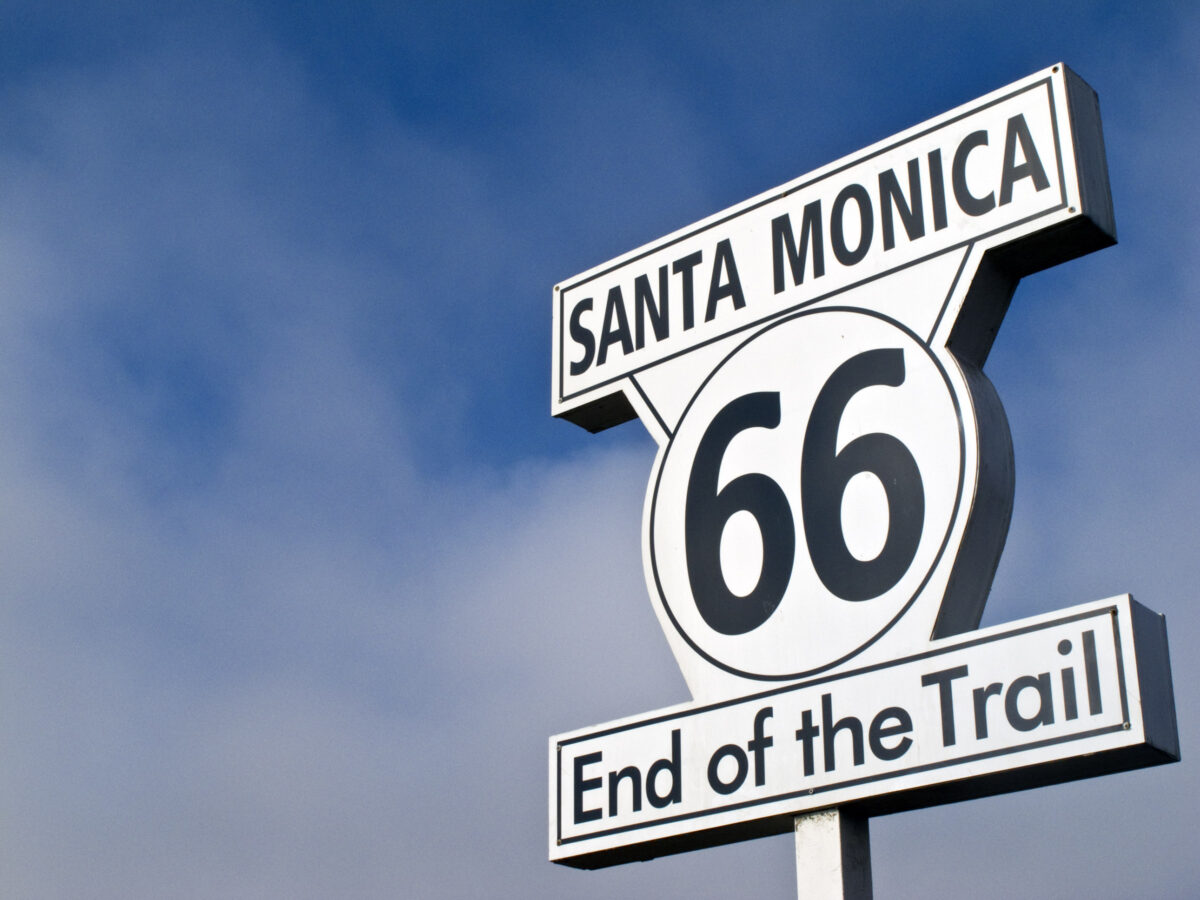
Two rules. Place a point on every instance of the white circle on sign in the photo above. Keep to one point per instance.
(772, 569)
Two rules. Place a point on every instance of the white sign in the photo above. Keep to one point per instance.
(1006, 707)
(1021, 161)
(834, 477)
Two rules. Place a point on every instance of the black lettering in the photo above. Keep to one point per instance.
(831, 728)
(968, 202)
(714, 777)
(1018, 132)
(879, 731)
(583, 785)
(980, 696)
(684, 267)
(671, 767)
(783, 241)
(643, 299)
(612, 333)
(635, 780)
(759, 743)
(912, 216)
(946, 698)
(732, 287)
(807, 734)
(582, 336)
(937, 189)
(1092, 671)
(1070, 702)
(1045, 710)
(837, 232)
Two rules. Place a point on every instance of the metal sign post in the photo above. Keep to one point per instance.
(830, 499)
(833, 856)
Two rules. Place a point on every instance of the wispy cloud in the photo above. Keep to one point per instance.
(297, 574)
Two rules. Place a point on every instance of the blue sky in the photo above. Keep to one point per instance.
(297, 573)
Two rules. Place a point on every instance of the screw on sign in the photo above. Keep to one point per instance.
(830, 499)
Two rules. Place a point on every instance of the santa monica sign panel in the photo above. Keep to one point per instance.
(832, 492)
(1015, 163)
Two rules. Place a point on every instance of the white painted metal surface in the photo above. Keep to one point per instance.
(833, 856)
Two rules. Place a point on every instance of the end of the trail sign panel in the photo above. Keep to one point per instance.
(1080, 692)
(832, 492)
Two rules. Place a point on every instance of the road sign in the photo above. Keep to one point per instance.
(832, 492)
(1075, 693)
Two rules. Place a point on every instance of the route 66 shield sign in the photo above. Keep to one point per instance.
(834, 475)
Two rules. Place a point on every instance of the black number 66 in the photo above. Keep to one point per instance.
(824, 475)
